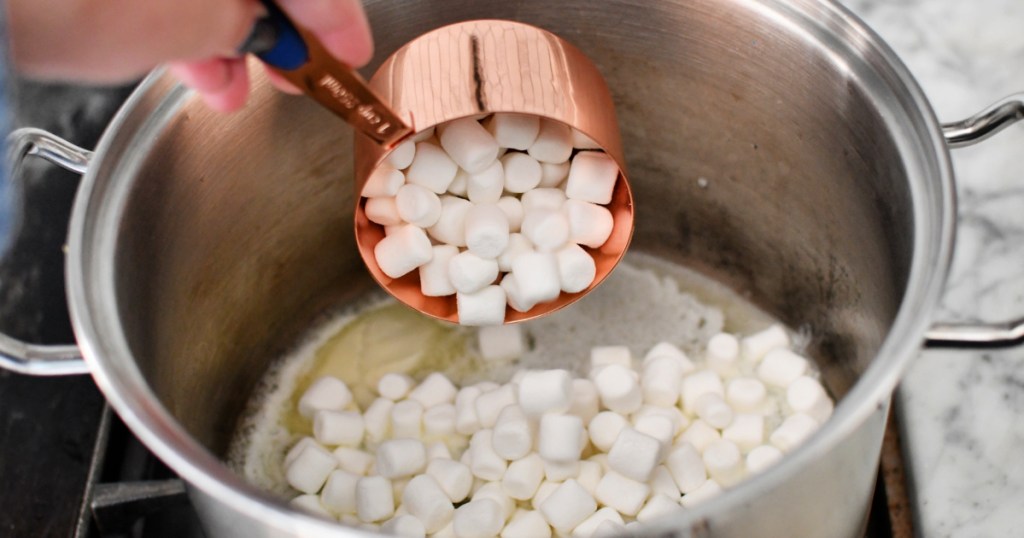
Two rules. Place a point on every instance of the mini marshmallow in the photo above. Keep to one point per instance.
(405, 526)
(618, 389)
(374, 499)
(478, 519)
(700, 435)
(353, 460)
(780, 367)
(339, 493)
(622, 493)
(576, 268)
(559, 438)
(806, 395)
(435, 389)
(582, 141)
(513, 210)
(311, 505)
(401, 157)
(545, 391)
(662, 482)
(567, 506)
(297, 449)
(518, 245)
(723, 461)
(395, 386)
(560, 471)
(661, 381)
(513, 131)
(589, 224)
(523, 477)
(516, 300)
(658, 427)
(470, 273)
(417, 205)
(493, 491)
(658, 506)
(670, 350)
(486, 186)
(586, 402)
(454, 478)
(610, 529)
(605, 428)
(762, 457)
(377, 419)
(310, 468)
(552, 174)
(756, 346)
(434, 277)
(383, 211)
(484, 307)
(490, 404)
(672, 414)
(793, 431)
(522, 172)
(451, 226)
(403, 251)
(545, 490)
(439, 420)
(723, 350)
(526, 524)
(635, 454)
(590, 525)
(460, 185)
(469, 144)
(592, 177)
(487, 231)
(746, 430)
(745, 393)
(553, 143)
(600, 459)
(512, 436)
(709, 489)
(711, 408)
(326, 393)
(484, 461)
(589, 475)
(338, 427)
(432, 168)
(547, 229)
(438, 450)
(425, 134)
(698, 384)
(687, 468)
(536, 275)
(406, 420)
(601, 356)
(383, 182)
(425, 500)
(399, 458)
(467, 422)
(543, 198)
(501, 343)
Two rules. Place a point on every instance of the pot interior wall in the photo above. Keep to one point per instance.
(756, 156)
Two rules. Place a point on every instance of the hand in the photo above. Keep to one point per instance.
(105, 41)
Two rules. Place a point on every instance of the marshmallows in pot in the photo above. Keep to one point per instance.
(502, 211)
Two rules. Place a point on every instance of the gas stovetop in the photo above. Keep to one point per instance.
(68, 466)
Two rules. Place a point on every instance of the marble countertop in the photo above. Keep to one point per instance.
(962, 412)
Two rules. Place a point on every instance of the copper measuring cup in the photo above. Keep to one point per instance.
(466, 69)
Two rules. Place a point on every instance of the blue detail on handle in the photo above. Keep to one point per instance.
(289, 51)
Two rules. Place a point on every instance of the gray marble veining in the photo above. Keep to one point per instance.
(963, 412)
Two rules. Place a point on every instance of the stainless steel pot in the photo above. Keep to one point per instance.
(201, 246)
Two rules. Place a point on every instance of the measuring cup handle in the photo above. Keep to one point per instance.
(17, 355)
(979, 127)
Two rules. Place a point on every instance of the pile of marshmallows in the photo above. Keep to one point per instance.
(547, 452)
(504, 195)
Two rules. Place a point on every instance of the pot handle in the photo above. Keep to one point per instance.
(960, 134)
(17, 355)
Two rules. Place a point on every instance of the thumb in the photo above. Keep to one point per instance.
(340, 25)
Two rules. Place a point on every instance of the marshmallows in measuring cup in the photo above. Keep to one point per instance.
(497, 211)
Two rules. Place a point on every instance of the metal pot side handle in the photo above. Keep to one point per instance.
(960, 134)
(16, 355)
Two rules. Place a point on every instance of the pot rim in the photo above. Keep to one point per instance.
(101, 200)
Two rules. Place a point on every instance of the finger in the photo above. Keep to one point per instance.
(233, 95)
(281, 83)
(341, 26)
(207, 76)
